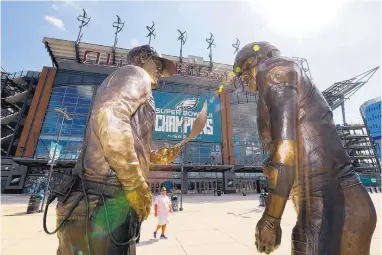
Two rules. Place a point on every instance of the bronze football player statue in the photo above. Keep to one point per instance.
(307, 161)
(102, 211)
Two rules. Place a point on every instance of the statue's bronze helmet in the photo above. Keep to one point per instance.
(137, 54)
(254, 53)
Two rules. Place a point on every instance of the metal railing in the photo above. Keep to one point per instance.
(6, 131)
(20, 74)
(8, 109)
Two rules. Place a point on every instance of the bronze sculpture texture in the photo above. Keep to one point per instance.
(114, 197)
(307, 161)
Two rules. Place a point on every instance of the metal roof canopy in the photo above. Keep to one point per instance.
(70, 51)
(192, 168)
(248, 169)
(70, 55)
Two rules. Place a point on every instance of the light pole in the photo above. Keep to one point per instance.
(182, 168)
(64, 116)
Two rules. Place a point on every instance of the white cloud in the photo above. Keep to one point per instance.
(66, 4)
(134, 43)
(73, 4)
(55, 22)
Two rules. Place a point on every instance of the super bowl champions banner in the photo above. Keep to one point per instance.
(171, 108)
(371, 111)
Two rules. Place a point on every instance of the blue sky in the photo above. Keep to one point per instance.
(339, 38)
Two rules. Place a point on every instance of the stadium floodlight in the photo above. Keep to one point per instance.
(236, 45)
(118, 26)
(211, 42)
(151, 32)
(183, 38)
(84, 19)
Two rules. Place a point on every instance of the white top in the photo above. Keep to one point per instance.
(163, 203)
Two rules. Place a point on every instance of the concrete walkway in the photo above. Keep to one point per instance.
(208, 225)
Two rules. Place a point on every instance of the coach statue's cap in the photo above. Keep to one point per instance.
(168, 66)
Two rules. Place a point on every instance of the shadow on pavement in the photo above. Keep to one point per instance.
(17, 214)
(148, 242)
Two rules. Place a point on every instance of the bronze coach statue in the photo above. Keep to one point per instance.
(307, 161)
(103, 202)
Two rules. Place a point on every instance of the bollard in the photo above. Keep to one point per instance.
(174, 203)
(262, 200)
(34, 204)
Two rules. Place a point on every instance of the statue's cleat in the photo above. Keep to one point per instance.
(163, 236)
(155, 234)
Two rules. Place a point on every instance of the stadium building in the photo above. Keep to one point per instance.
(226, 156)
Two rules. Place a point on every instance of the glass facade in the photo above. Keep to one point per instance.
(77, 101)
(74, 91)
(248, 149)
(198, 183)
(203, 153)
(195, 152)
(173, 87)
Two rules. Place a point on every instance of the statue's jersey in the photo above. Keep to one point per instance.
(143, 125)
(322, 158)
(119, 132)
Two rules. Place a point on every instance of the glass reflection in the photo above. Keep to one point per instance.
(77, 100)
(248, 149)
(206, 154)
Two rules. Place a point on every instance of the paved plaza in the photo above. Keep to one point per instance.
(208, 225)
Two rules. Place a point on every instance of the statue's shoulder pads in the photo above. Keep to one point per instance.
(280, 70)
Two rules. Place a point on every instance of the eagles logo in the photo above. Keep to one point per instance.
(187, 104)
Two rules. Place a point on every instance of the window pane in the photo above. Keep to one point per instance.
(57, 98)
(59, 90)
(78, 126)
(84, 101)
(80, 120)
(77, 100)
(78, 131)
(61, 78)
(65, 131)
(51, 119)
(82, 110)
(71, 90)
(42, 150)
(70, 99)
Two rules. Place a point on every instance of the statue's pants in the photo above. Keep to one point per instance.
(120, 224)
(338, 221)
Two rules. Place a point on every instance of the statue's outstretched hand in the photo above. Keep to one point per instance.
(165, 155)
(268, 234)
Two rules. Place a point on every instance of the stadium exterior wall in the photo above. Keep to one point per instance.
(76, 89)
